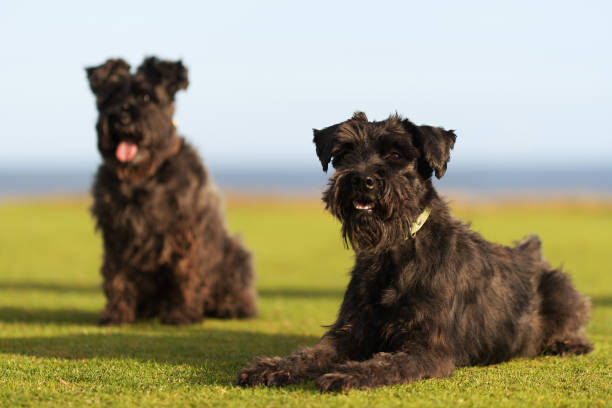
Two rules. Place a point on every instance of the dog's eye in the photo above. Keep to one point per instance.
(146, 97)
(393, 156)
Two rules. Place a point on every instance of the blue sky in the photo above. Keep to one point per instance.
(522, 82)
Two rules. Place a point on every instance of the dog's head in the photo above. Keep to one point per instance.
(135, 128)
(383, 175)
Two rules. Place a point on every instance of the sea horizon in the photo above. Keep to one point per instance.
(296, 180)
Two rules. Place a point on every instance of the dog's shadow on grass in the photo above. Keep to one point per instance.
(216, 355)
(54, 287)
(11, 314)
(48, 316)
(72, 316)
(308, 293)
(45, 316)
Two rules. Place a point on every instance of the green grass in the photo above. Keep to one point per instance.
(53, 353)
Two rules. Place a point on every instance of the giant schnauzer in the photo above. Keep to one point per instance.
(426, 293)
(167, 251)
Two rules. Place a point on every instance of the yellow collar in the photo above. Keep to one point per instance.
(420, 221)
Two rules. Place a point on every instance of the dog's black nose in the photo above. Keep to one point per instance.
(363, 182)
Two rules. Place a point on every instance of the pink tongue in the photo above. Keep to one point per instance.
(126, 151)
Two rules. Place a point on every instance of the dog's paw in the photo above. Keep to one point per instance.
(266, 371)
(114, 320)
(568, 348)
(337, 382)
(177, 318)
(107, 321)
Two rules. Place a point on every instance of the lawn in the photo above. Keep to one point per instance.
(52, 353)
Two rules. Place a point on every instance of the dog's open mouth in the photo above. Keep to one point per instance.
(363, 205)
(126, 150)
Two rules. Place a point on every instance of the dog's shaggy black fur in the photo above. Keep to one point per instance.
(421, 302)
(167, 251)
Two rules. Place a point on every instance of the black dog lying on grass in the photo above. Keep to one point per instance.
(167, 251)
(426, 294)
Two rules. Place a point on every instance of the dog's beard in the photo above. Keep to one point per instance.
(375, 230)
(369, 233)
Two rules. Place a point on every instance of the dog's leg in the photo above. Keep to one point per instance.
(233, 294)
(184, 301)
(121, 298)
(565, 314)
(308, 363)
(386, 369)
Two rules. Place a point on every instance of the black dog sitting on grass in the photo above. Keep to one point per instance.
(167, 251)
(426, 294)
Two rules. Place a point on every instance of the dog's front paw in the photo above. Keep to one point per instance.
(115, 319)
(177, 317)
(265, 371)
(337, 382)
(107, 321)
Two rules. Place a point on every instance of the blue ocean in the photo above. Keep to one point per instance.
(493, 181)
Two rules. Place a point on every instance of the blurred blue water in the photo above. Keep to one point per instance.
(16, 182)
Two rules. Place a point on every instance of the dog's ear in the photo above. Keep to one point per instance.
(325, 139)
(172, 75)
(435, 144)
(108, 78)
